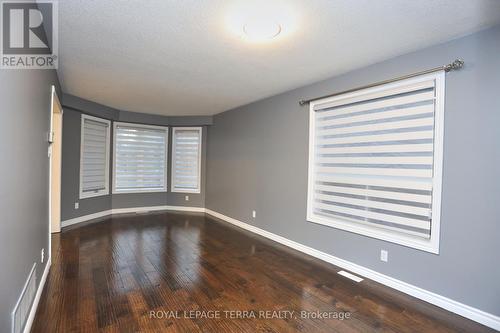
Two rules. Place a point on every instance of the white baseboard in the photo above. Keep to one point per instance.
(34, 306)
(116, 211)
(469, 312)
(85, 218)
(157, 208)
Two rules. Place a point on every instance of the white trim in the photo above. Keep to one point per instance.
(466, 311)
(53, 94)
(165, 173)
(34, 306)
(157, 208)
(348, 275)
(173, 189)
(116, 211)
(437, 179)
(108, 135)
(85, 218)
(429, 245)
(142, 190)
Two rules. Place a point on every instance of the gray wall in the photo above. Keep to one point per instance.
(257, 159)
(73, 109)
(24, 227)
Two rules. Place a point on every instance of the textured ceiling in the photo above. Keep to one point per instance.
(179, 57)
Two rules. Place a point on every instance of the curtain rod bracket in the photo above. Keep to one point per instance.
(455, 65)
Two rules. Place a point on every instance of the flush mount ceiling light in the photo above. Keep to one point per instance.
(261, 29)
(260, 21)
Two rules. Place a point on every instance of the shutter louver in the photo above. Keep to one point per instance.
(186, 160)
(94, 157)
(140, 158)
(373, 158)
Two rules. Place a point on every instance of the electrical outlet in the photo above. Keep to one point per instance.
(42, 255)
(254, 213)
(384, 255)
(77, 205)
(187, 197)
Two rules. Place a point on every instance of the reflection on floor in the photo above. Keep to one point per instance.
(173, 272)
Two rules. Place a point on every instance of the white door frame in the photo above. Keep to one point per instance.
(53, 99)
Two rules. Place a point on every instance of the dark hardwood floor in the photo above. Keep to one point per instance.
(118, 275)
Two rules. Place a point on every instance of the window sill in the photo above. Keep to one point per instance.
(192, 191)
(92, 195)
(430, 245)
(140, 191)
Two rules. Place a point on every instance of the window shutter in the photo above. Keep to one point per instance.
(373, 156)
(186, 157)
(94, 157)
(140, 161)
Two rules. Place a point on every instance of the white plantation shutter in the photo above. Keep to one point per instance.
(140, 158)
(374, 159)
(186, 158)
(94, 157)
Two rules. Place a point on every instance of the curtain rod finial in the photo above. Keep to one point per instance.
(302, 102)
(457, 64)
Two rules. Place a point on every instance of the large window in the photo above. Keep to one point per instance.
(94, 157)
(140, 158)
(186, 159)
(375, 161)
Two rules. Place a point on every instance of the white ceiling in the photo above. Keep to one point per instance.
(179, 58)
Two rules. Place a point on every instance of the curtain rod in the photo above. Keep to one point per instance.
(455, 65)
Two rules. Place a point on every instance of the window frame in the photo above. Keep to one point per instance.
(429, 245)
(105, 191)
(165, 172)
(173, 189)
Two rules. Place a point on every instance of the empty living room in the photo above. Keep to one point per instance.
(250, 166)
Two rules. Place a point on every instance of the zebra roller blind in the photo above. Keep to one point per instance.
(140, 158)
(375, 161)
(186, 158)
(94, 157)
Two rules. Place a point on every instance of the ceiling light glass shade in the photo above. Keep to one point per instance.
(261, 29)
(261, 21)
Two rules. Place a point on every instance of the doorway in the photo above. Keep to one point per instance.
(55, 151)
